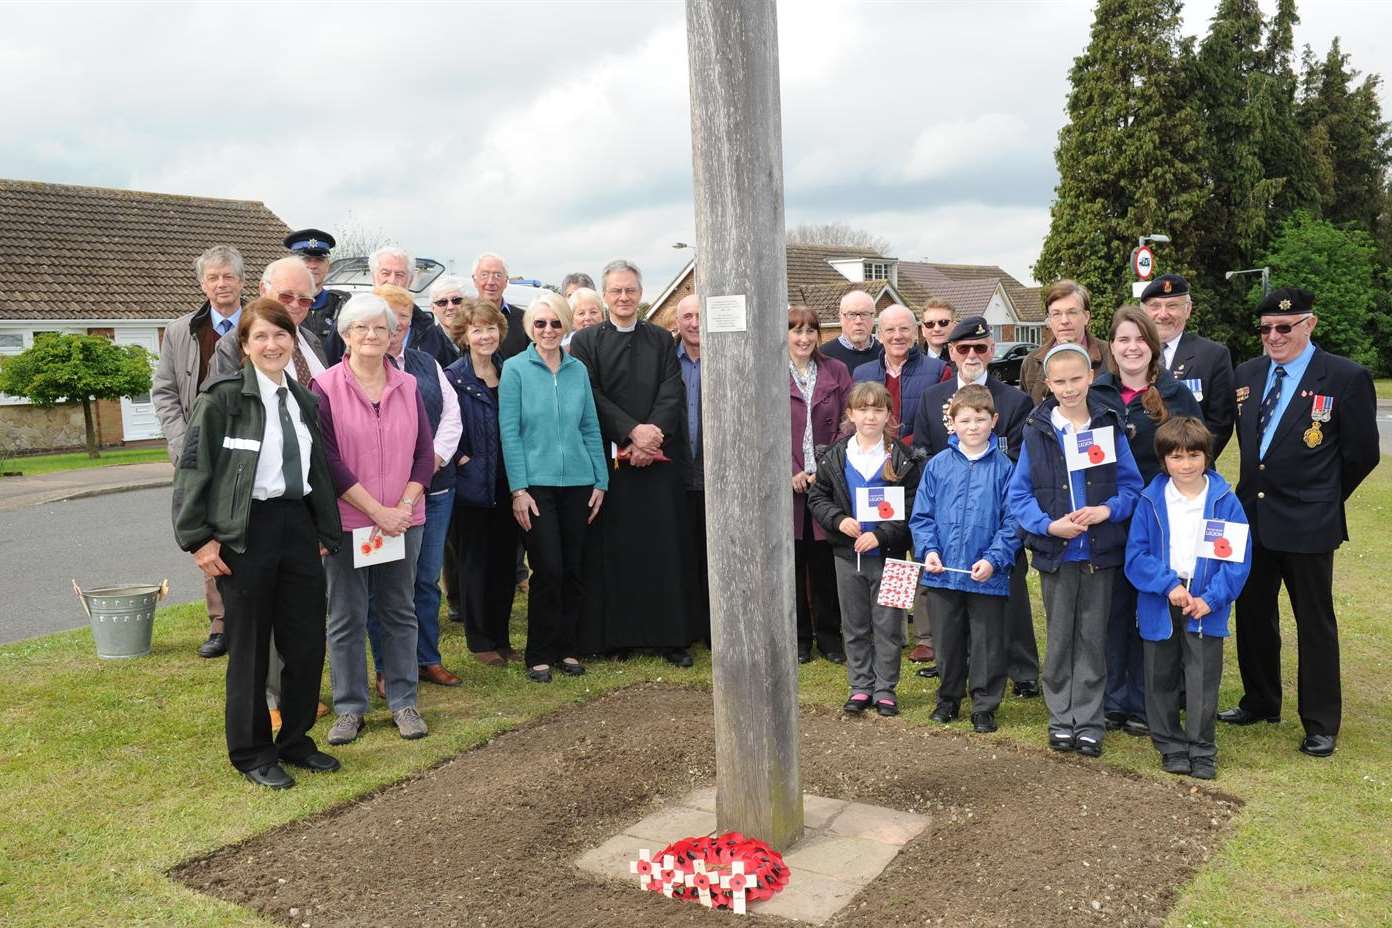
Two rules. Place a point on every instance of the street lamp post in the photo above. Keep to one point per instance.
(1265, 273)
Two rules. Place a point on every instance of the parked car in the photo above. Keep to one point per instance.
(1005, 363)
(351, 275)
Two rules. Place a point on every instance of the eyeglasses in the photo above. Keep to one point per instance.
(1066, 314)
(287, 297)
(975, 347)
(543, 323)
(450, 301)
(621, 291)
(1282, 328)
(859, 315)
(940, 323)
(362, 330)
(491, 275)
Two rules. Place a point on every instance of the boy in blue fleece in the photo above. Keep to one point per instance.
(961, 520)
(1073, 522)
(1183, 599)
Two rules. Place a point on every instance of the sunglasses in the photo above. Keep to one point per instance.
(543, 323)
(450, 301)
(285, 298)
(939, 323)
(964, 350)
(1282, 328)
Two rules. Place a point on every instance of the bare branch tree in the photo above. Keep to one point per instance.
(837, 233)
(357, 239)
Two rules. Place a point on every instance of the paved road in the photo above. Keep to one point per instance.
(1384, 420)
(121, 537)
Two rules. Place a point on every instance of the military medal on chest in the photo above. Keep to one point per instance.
(1320, 410)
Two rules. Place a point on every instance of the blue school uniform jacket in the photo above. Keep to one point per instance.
(1148, 562)
(960, 511)
(1040, 492)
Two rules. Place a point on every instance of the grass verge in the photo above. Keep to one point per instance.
(78, 460)
(113, 772)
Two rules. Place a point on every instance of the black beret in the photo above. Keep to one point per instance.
(970, 327)
(310, 242)
(1167, 285)
(1285, 301)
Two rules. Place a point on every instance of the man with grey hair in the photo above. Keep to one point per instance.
(574, 281)
(185, 364)
(490, 279)
(856, 345)
(392, 264)
(636, 578)
(291, 284)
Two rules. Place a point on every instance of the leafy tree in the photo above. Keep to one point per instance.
(1337, 266)
(60, 367)
(837, 233)
(1130, 156)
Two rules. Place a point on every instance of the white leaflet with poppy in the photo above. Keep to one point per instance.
(1224, 541)
(1092, 448)
(879, 504)
(371, 547)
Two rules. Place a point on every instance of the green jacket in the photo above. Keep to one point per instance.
(217, 465)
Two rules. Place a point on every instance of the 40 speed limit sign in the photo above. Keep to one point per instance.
(1143, 262)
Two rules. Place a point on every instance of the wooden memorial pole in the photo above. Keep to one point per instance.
(737, 157)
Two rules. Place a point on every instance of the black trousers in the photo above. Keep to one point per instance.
(556, 552)
(1184, 672)
(485, 552)
(1309, 580)
(818, 606)
(1021, 649)
(959, 617)
(276, 591)
(698, 584)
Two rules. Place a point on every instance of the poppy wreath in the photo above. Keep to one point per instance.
(717, 855)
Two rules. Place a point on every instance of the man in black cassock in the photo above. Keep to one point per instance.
(636, 557)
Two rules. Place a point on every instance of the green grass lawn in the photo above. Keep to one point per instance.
(49, 463)
(113, 772)
(1383, 388)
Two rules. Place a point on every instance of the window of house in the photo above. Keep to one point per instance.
(11, 342)
(876, 270)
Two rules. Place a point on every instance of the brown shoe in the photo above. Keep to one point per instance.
(437, 674)
(922, 654)
(381, 687)
(490, 658)
(510, 655)
(322, 711)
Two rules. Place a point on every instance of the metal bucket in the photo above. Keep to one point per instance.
(122, 617)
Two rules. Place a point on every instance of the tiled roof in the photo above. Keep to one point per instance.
(1025, 299)
(825, 299)
(101, 253)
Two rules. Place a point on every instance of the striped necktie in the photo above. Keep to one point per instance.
(1269, 402)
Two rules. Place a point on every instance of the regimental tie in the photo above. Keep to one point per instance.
(302, 373)
(290, 445)
(1273, 396)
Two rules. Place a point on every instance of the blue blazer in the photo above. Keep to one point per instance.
(960, 511)
(1148, 562)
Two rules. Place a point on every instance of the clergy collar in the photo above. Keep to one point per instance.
(628, 328)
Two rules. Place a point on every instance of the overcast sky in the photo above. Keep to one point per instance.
(557, 133)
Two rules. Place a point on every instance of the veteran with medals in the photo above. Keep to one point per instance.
(1306, 425)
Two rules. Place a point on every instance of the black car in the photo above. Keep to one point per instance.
(1005, 363)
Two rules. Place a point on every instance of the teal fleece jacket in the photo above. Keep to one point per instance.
(547, 423)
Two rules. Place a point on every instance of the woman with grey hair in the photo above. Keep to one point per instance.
(446, 296)
(377, 440)
(586, 309)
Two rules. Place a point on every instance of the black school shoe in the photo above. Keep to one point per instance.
(1089, 747)
(1176, 763)
(836, 657)
(1204, 768)
(984, 722)
(1027, 689)
(1062, 741)
(1135, 725)
(857, 704)
(1113, 721)
(945, 712)
(215, 646)
(887, 707)
(271, 776)
(927, 672)
(679, 657)
(315, 762)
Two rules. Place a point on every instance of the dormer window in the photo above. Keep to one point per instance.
(877, 270)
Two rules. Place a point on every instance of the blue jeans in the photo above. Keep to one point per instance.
(438, 507)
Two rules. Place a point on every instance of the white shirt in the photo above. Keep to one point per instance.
(866, 463)
(966, 383)
(451, 426)
(1169, 350)
(1186, 522)
(269, 481)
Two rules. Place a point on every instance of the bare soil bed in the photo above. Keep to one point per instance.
(1019, 837)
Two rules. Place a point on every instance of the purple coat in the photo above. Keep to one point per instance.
(828, 407)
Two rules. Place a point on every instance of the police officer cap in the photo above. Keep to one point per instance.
(310, 242)
(970, 327)
(1286, 301)
(1167, 285)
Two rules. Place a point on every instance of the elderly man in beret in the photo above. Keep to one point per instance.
(1306, 425)
(1202, 365)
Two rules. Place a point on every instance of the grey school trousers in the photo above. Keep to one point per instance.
(389, 591)
(872, 634)
(959, 618)
(1191, 664)
(1077, 600)
(1021, 650)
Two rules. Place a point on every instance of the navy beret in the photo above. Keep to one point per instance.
(1285, 301)
(970, 327)
(1166, 285)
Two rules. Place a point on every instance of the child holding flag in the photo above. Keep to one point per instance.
(967, 539)
(863, 485)
(1074, 487)
(1188, 556)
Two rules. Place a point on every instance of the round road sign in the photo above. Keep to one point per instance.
(1143, 262)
